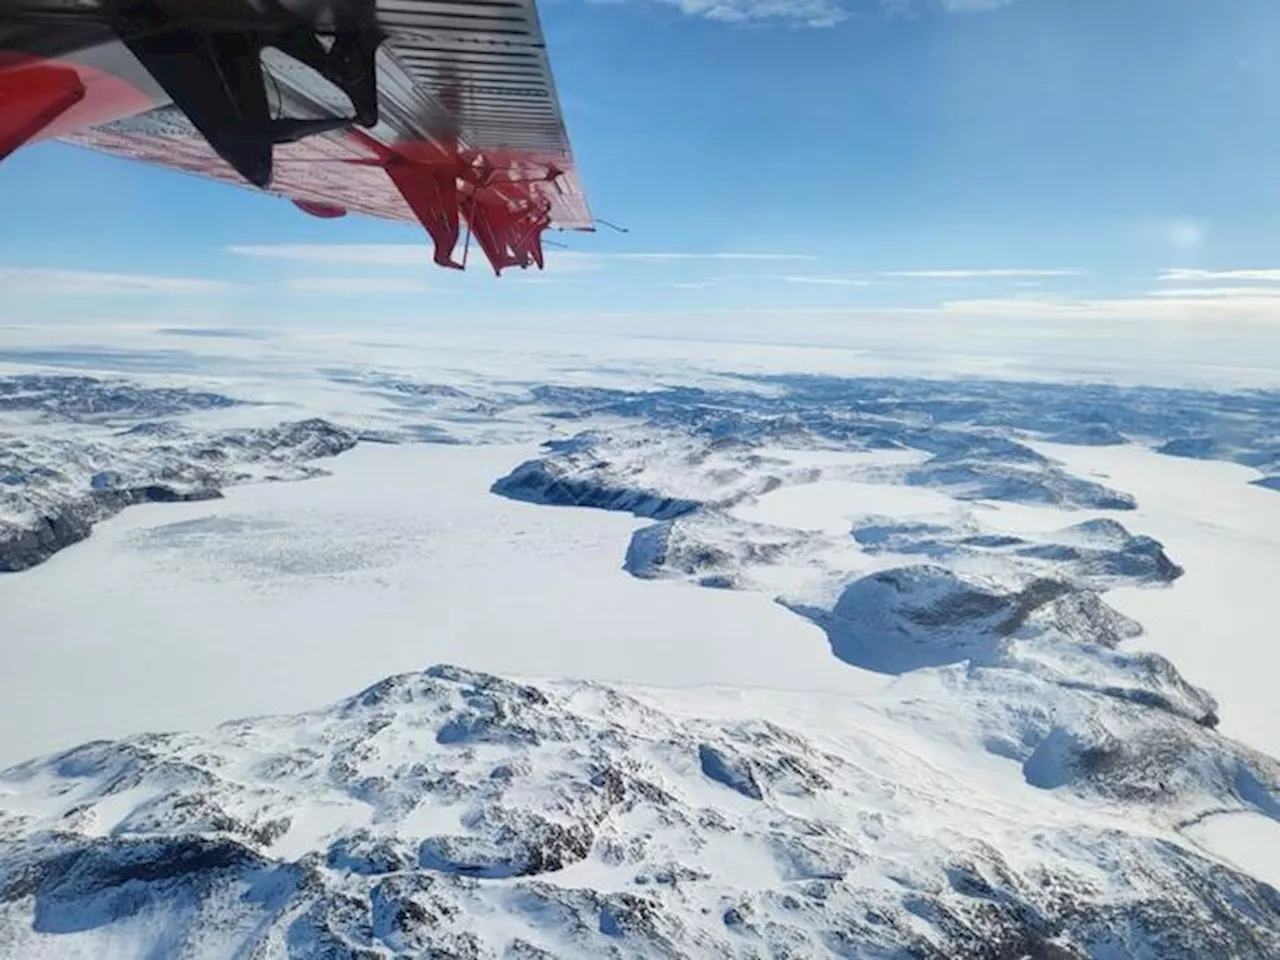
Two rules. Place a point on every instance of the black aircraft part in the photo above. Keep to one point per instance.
(213, 72)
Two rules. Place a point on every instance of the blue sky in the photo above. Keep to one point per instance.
(1048, 160)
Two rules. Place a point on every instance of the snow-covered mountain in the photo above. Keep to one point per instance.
(1023, 787)
(449, 813)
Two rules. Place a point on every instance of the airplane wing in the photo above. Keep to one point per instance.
(440, 111)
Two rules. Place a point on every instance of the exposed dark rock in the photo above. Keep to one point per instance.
(1198, 448)
(1100, 552)
(1089, 435)
(81, 398)
(985, 480)
(732, 771)
(24, 547)
(539, 481)
(50, 511)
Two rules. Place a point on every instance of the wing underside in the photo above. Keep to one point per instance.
(440, 111)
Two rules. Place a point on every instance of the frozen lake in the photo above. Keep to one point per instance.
(285, 596)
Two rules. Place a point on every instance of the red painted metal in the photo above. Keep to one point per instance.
(67, 96)
(325, 211)
(31, 98)
(508, 220)
(431, 190)
(500, 194)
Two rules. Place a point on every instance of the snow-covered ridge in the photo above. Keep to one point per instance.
(659, 468)
(77, 450)
(90, 399)
(132, 443)
(964, 424)
(460, 814)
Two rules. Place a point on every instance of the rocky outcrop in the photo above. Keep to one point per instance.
(23, 546)
(711, 548)
(544, 481)
(1101, 552)
(1196, 448)
(984, 480)
(54, 491)
(1089, 435)
(96, 400)
(905, 619)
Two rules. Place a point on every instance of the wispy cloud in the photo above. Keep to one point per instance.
(373, 254)
(738, 279)
(821, 13)
(36, 281)
(728, 255)
(913, 8)
(1216, 292)
(827, 281)
(416, 255)
(990, 273)
(1185, 275)
(811, 13)
(1171, 310)
(973, 6)
(413, 254)
(357, 285)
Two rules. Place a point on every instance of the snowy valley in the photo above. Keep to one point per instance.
(932, 721)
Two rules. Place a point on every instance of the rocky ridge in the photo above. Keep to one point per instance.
(96, 447)
(452, 813)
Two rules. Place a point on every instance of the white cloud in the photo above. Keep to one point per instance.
(414, 254)
(729, 255)
(973, 6)
(357, 285)
(1185, 275)
(810, 13)
(391, 255)
(373, 254)
(1216, 292)
(820, 13)
(828, 281)
(994, 273)
(1170, 310)
(42, 282)
(914, 7)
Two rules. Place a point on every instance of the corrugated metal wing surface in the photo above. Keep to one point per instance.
(467, 73)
